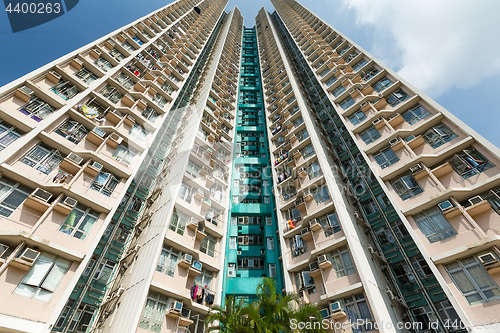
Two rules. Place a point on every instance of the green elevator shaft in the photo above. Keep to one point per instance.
(252, 245)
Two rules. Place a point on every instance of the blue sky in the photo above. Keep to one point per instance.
(449, 48)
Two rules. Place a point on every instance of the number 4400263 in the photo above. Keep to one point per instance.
(34, 8)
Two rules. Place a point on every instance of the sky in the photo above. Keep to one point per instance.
(449, 49)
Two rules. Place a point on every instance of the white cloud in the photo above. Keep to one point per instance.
(442, 44)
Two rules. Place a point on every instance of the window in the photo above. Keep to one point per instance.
(342, 262)
(117, 54)
(396, 97)
(193, 169)
(307, 151)
(8, 134)
(186, 192)
(415, 114)
(269, 220)
(384, 236)
(138, 132)
(79, 222)
(320, 194)
(370, 135)
(204, 279)
(86, 75)
(346, 102)
(250, 240)
(270, 243)
(178, 222)
(128, 47)
(72, 131)
(434, 225)
(448, 313)
(125, 81)
(168, 260)
(330, 224)
(43, 277)
(357, 117)
(272, 271)
(359, 64)
(250, 263)
(124, 154)
(81, 319)
(438, 135)
(356, 309)
(469, 162)
(150, 114)
(420, 265)
(103, 64)
(313, 170)
(386, 157)
(64, 89)
(338, 90)
(37, 109)
(382, 84)
(104, 271)
(298, 246)
(472, 279)
(154, 312)
(159, 100)
(12, 195)
(111, 93)
(407, 187)
(42, 158)
(207, 245)
(232, 243)
(105, 183)
(331, 81)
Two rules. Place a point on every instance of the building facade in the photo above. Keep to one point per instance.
(178, 160)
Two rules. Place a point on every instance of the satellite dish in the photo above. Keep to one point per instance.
(196, 9)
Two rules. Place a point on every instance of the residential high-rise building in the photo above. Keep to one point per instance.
(180, 159)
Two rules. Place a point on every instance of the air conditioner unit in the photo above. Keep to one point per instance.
(324, 313)
(313, 266)
(3, 249)
(364, 103)
(42, 194)
(356, 215)
(393, 116)
(390, 293)
(54, 76)
(263, 251)
(335, 307)
(186, 313)
(445, 205)
(380, 95)
(304, 231)
(196, 265)
(475, 200)
(322, 258)
(416, 168)
(29, 255)
(96, 165)
(352, 91)
(376, 121)
(411, 137)
(394, 141)
(120, 290)
(187, 257)
(75, 158)
(487, 258)
(70, 202)
(343, 79)
(27, 90)
(176, 307)
(370, 248)
(238, 252)
(99, 132)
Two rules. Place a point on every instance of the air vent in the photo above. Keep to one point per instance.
(42, 194)
(29, 255)
(70, 202)
(487, 259)
(416, 168)
(75, 158)
(475, 200)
